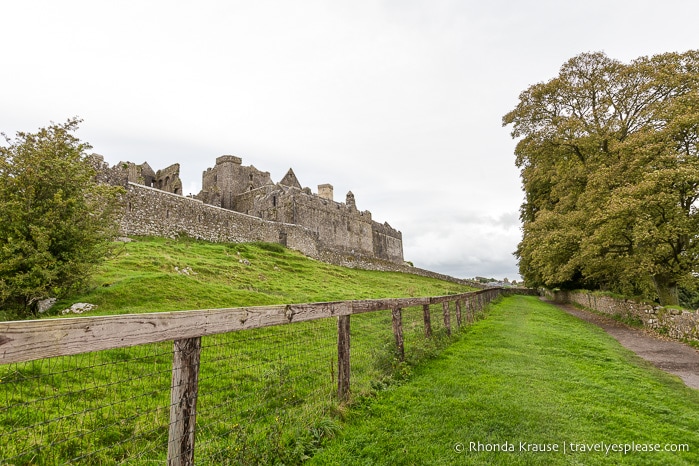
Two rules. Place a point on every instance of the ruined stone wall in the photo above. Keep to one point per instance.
(167, 179)
(678, 324)
(335, 224)
(122, 173)
(149, 211)
(262, 203)
(388, 242)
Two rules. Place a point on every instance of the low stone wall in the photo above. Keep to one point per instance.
(678, 324)
(371, 263)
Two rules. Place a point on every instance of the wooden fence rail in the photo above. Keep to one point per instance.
(22, 341)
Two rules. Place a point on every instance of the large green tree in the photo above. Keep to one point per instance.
(57, 223)
(609, 163)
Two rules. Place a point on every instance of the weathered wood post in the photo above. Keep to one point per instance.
(427, 319)
(397, 318)
(458, 313)
(183, 401)
(447, 318)
(343, 357)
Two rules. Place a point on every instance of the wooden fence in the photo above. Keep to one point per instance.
(22, 341)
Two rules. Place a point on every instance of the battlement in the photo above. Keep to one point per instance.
(229, 159)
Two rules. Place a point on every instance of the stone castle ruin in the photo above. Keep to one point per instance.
(241, 203)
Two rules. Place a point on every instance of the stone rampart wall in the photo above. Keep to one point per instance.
(678, 324)
(149, 211)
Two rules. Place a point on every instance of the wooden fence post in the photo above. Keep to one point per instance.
(397, 317)
(458, 313)
(447, 318)
(426, 318)
(183, 401)
(343, 357)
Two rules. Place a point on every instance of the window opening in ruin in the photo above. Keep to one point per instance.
(274, 201)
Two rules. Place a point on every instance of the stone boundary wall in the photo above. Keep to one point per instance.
(371, 263)
(678, 324)
(152, 212)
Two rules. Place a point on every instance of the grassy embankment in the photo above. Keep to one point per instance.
(142, 277)
(266, 395)
(528, 373)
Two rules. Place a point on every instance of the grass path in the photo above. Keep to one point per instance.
(528, 373)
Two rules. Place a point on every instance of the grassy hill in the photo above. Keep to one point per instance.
(158, 274)
(265, 395)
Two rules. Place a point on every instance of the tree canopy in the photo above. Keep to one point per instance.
(57, 222)
(609, 161)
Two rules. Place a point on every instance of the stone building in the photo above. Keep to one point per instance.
(242, 203)
(338, 225)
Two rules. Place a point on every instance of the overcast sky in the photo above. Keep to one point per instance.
(399, 101)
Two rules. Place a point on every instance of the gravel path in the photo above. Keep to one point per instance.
(671, 356)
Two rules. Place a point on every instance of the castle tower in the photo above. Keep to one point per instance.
(325, 191)
(228, 179)
(226, 167)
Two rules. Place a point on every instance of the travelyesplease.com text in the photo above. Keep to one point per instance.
(569, 447)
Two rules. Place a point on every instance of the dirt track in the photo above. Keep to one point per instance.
(670, 356)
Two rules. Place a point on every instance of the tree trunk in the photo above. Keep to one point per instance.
(666, 287)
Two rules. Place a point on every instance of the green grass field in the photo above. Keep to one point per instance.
(142, 276)
(266, 395)
(528, 373)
